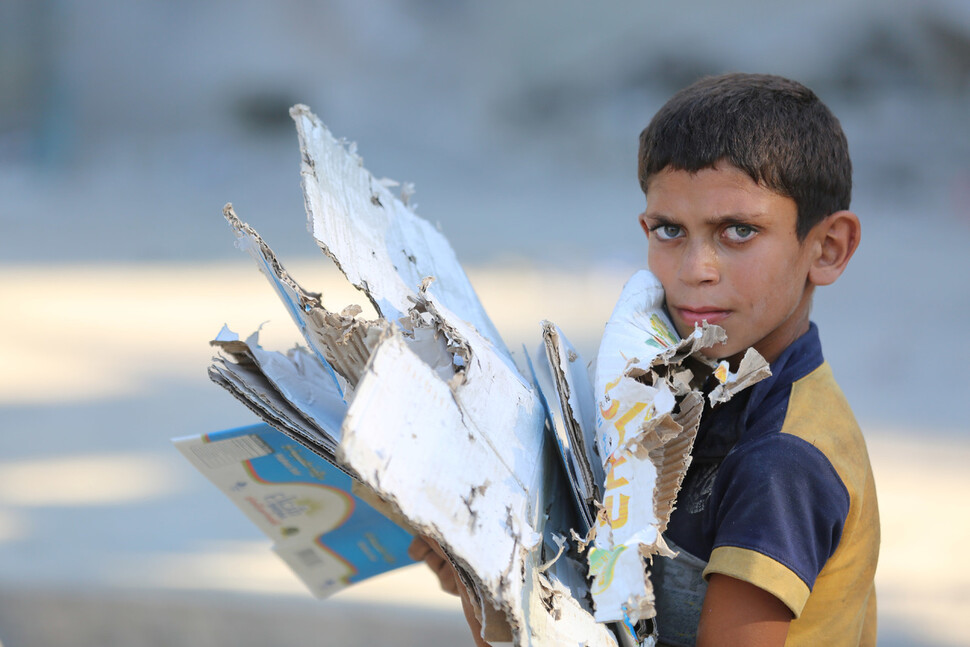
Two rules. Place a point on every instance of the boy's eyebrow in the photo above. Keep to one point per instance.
(736, 218)
(726, 219)
(659, 217)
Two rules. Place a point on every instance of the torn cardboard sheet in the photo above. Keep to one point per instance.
(465, 461)
(303, 381)
(648, 388)
(378, 242)
(751, 369)
(563, 383)
(341, 341)
(440, 425)
(426, 409)
(291, 392)
(248, 385)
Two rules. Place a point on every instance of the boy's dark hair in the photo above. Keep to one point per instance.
(774, 129)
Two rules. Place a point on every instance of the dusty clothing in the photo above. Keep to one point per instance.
(779, 494)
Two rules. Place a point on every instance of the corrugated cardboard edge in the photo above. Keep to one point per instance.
(672, 460)
(345, 341)
(752, 369)
(377, 241)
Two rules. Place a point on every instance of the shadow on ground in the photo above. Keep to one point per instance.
(58, 618)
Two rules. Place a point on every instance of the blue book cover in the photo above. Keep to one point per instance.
(327, 535)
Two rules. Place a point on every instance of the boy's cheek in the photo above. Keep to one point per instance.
(717, 351)
(662, 264)
(683, 329)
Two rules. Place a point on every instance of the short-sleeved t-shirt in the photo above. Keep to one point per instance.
(780, 494)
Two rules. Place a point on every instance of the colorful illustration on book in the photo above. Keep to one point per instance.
(328, 536)
(327, 506)
(661, 336)
(602, 563)
(722, 372)
(636, 414)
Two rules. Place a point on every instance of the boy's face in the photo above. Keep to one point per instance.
(726, 251)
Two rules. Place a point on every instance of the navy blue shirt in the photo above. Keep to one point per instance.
(750, 486)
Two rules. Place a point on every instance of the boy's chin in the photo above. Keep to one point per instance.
(719, 353)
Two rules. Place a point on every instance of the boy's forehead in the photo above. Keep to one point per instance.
(723, 189)
(722, 171)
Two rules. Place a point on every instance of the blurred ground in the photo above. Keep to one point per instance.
(93, 499)
(59, 618)
(124, 129)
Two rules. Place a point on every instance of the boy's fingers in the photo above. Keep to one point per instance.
(418, 549)
(447, 578)
(423, 549)
(434, 546)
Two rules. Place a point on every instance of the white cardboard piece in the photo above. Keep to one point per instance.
(250, 386)
(378, 242)
(563, 383)
(441, 424)
(649, 409)
(341, 341)
(301, 379)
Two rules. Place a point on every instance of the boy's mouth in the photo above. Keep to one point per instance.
(692, 315)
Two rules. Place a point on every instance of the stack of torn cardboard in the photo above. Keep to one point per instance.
(548, 487)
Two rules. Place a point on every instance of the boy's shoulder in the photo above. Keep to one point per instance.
(786, 432)
(811, 443)
(803, 400)
(794, 498)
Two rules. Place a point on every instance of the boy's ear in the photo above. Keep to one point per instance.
(837, 237)
(643, 224)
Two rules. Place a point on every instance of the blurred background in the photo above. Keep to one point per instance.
(125, 127)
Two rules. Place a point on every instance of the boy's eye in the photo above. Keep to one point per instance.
(667, 232)
(739, 233)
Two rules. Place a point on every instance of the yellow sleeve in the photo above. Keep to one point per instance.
(762, 571)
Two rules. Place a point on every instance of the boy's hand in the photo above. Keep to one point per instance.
(427, 550)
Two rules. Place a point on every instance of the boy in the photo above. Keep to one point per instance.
(748, 180)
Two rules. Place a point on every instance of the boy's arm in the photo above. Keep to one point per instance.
(738, 614)
(735, 613)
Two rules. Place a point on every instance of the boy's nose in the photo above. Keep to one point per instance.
(699, 265)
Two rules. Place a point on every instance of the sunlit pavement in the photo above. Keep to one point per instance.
(108, 537)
